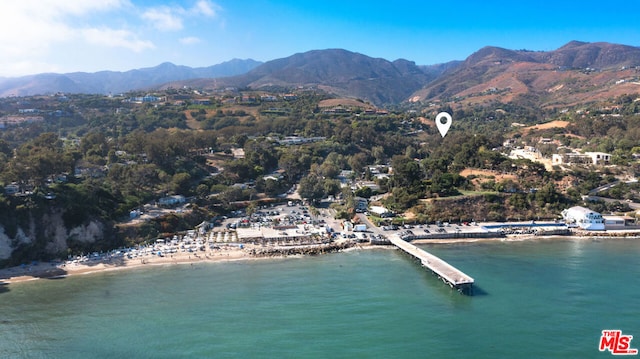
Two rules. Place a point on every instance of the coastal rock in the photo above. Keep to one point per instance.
(305, 250)
(5, 245)
(45, 236)
(88, 233)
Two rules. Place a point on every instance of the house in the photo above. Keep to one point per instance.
(172, 200)
(238, 153)
(360, 204)
(268, 98)
(345, 177)
(202, 101)
(599, 158)
(370, 184)
(584, 218)
(296, 140)
(145, 99)
(594, 158)
(11, 189)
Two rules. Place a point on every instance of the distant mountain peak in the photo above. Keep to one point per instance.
(572, 44)
(494, 53)
(342, 72)
(115, 82)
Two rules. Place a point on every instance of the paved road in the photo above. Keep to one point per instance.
(632, 205)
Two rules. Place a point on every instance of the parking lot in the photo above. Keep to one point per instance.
(290, 222)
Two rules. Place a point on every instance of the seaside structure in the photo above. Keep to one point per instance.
(449, 274)
(618, 222)
(584, 218)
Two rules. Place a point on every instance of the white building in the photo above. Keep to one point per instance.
(595, 158)
(584, 218)
(378, 210)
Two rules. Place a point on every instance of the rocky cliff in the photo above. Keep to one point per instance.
(43, 235)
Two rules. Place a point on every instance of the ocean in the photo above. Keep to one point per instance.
(533, 299)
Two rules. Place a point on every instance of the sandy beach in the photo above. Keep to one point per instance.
(109, 263)
(150, 257)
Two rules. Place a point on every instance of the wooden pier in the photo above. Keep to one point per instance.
(449, 274)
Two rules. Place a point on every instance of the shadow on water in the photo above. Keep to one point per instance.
(478, 291)
(439, 286)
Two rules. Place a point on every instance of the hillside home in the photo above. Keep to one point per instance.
(594, 158)
(11, 189)
(238, 153)
(172, 200)
(202, 101)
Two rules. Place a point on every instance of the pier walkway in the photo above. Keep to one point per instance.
(449, 274)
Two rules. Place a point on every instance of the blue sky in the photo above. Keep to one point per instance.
(91, 35)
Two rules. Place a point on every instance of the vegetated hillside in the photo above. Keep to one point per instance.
(488, 207)
(575, 73)
(341, 72)
(598, 55)
(104, 82)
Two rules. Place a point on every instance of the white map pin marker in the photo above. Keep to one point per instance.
(443, 127)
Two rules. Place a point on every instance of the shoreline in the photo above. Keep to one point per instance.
(56, 270)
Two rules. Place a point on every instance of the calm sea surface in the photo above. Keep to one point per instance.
(548, 299)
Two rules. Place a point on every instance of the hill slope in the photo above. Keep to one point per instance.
(575, 73)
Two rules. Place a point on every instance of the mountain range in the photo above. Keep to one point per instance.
(574, 73)
(337, 71)
(105, 82)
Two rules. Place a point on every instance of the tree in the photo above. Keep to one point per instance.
(406, 171)
(358, 161)
(40, 158)
(311, 187)
(181, 183)
(202, 190)
(378, 153)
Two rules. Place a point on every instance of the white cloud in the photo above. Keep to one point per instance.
(33, 33)
(206, 8)
(31, 25)
(31, 29)
(190, 40)
(171, 18)
(115, 38)
(164, 18)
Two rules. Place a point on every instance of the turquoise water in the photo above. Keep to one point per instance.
(547, 299)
